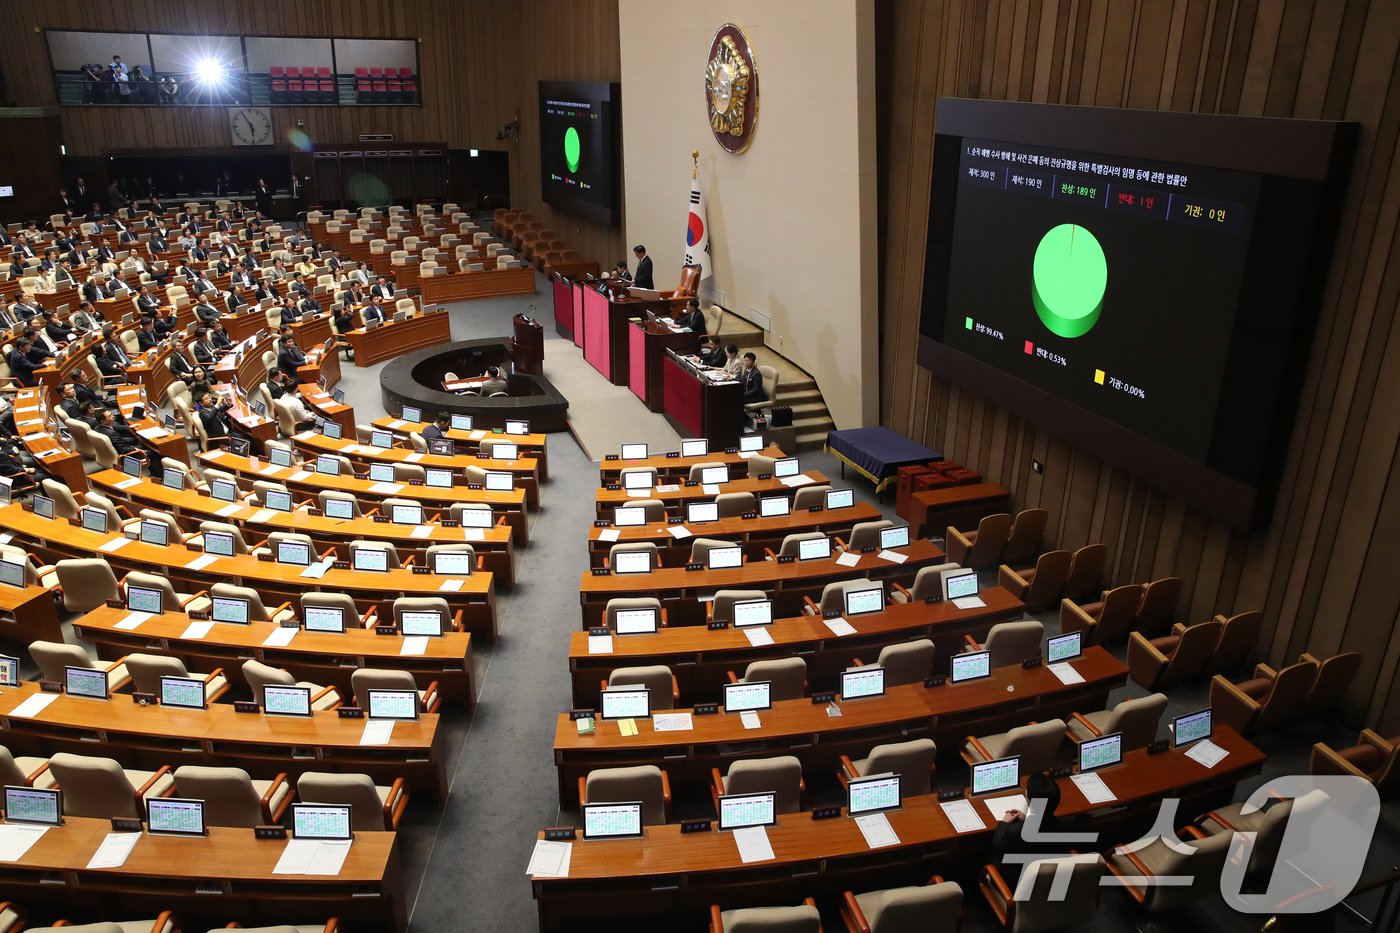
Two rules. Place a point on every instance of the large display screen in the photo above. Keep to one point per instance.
(1132, 282)
(578, 148)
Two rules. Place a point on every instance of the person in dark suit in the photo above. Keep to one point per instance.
(146, 303)
(290, 356)
(24, 307)
(180, 365)
(92, 291)
(1011, 836)
(146, 337)
(218, 336)
(80, 191)
(113, 360)
(262, 194)
(620, 271)
(206, 312)
(438, 428)
(213, 415)
(494, 382)
(275, 386)
(7, 316)
(753, 381)
(309, 306)
(165, 321)
(373, 313)
(16, 270)
(298, 286)
(54, 329)
(710, 352)
(203, 349)
(236, 299)
(643, 277)
(157, 244)
(120, 435)
(381, 289)
(86, 319)
(354, 295)
(85, 393)
(68, 400)
(66, 204)
(290, 314)
(693, 317)
(21, 366)
(104, 253)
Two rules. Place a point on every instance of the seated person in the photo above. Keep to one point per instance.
(22, 367)
(213, 415)
(494, 383)
(693, 317)
(620, 271)
(290, 356)
(199, 382)
(275, 388)
(438, 428)
(203, 350)
(732, 364)
(147, 337)
(753, 381)
(121, 436)
(374, 311)
(305, 418)
(219, 337)
(710, 353)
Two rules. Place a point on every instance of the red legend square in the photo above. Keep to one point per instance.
(1030, 347)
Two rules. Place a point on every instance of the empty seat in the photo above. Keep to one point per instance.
(907, 662)
(258, 675)
(53, 656)
(1107, 621)
(1086, 571)
(932, 908)
(1373, 758)
(1174, 658)
(1159, 601)
(147, 670)
(1267, 700)
(1010, 642)
(1238, 635)
(373, 808)
(735, 504)
(645, 783)
(1027, 534)
(788, 677)
(1041, 901)
(1037, 745)
(980, 548)
(366, 679)
(721, 608)
(636, 547)
(1198, 858)
(781, 776)
(700, 548)
(913, 761)
(867, 534)
(801, 919)
(623, 603)
(928, 581)
(1268, 825)
(658, 680)
(1334, 676)
(833, 596)
(231, 797)
(101, 788)
(1041, 585)
(1137, 718)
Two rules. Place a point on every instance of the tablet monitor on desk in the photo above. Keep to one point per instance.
(182, 692)
(170, 423)
(774, 506)
(625, 703)
(634, 452)
(1191, 728)
(231, 609)
(989, 777)
(94, 520)
(497, 481)
(636, 621)
(517, 427)
(505, 452)
(175, 816)
(437, 478)
(737, 811)
(873, 794)
(896, 536)
(338, 395)
(441, 446)
(860, 682)
(173, 479)
(371, 559)
(332, 430)
(699, 512)
(329, 821)
(637, 479)
(280, 456)
(406, 514)
(461, 422)
(259, 409)
(381, 439)
(724, 558)
(715, 475)
(131, 466)
(694, 447)
(381, 472)
(393, 704)
(421, 622)
(9, 671)
(411, 414)
(338, 508)
(867, 599)
(751, 612)
(628, 516)
(327, 466)
(85, 682)
(476, 518)
(43, 506)
(278, 500)
(219, 543)
(157, 533)
(143, 599)
(612, 820)
(453, 563)
(323, 619)
(12, 574)
(286, 701)
(750, 443)
(1064, 647)
(840, 498)
(1103, 752)
(973, 665)
(297, 553)
(959, 584)
(238, 446)
(788, 466)
(42, 807)
(632, 562)
(741, 698)
(814, 548)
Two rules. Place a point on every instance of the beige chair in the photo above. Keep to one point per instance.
(231, 797)
(1107, 621)
(164, 923)
(103, 452)
(64, 505)
(788, 677)
(366, 679)
(373, 808)
(1159, 601)
(660, 684)
(147, 670)
(623, 603)
(721, 608)
(865, 535)
(475, 560)
(653, 510)
(697, 470)
(833, 597)
(1010, 642)
(1268, 825)
(345, 603)
(636, 547)
(240, 545)
(1238, 636)
(456, 510)
(928, 581)
(100, 788)
(1037, 745)
(452, 622)
(792, 543)
(1037, 904)
(636, 471)
(800, 919)
(1195, 856)
(409, 473)
(1174, 658)
(257, 611)
(932, 908)
(1269, 699)
(913, 761)
(258, 675)
(24, 771)
(391, 553)
(185, 602)
(1041, 585)
(645, 783)
(781, 776)
(53, 656)
(907, 662)
(277, 537)
(1136, 718)
(86, 583)
(1027, 534)
(735, 504)
(700, 548)
(32, 573)
(1373, 758)
(1086, 571)
(770, 388)
(980, 548)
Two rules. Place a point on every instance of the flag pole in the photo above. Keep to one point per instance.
(695, 169)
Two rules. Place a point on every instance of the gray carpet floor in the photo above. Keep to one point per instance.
(465, 864)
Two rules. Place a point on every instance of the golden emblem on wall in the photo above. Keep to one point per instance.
(731, 88)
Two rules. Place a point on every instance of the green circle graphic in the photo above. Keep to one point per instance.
(572, 148)
(1068, 280)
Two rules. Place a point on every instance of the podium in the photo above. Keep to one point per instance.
(527, 345)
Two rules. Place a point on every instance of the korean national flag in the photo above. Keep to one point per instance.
(697, 231)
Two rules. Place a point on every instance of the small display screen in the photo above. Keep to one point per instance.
(184, 692)
(371, 558)
(43, 506)
(412, 414)
(959, 584)
(231, 609)
(635, 621)
(280, 456)
(740, 698)
(629, 515)
(814, 548)
(788, 466)
(840, 498)
(712, 476)
(632, 562)
(637, 479)
(175, 816)
(504, 452)
(1103, 752)
(626, 703)
(612, 820)
(857, 682)
(9, 671)
(143, 599)
(131, 466)
(697, 512)
(338, 508)
(218, 542)
(286, 701)
(992, 776)
(751, 612)
(277, 500)
(517, 427)
(294, 552)
(332, 430)
(750, 443)
(774, 506)
(1191, 728)
(694, 447)
(406, 514)
(499, 482)
(323, 619)
(437, 479)
(873, 794)
(157, 533)
(328, 466)
(894, 537)
(971, 666)
(173, 479)
(723, 558)
(381, 472)
(85, 682)
(475, 518)
(737, 811)
(453, 563)
(634, 451)
(1064, 647)
(442, 446)
(393, 704)
(381, 439)
(421, 622)
(321, 821)
(461, 422)
(223, 490)
(33, 805)
(11, 574)
(865, 600)
(95, 520)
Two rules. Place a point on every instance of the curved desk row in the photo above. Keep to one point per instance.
(675, 496)
(531, 445)
(672, 468)
(393, 338)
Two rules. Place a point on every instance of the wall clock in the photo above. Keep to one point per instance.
(250, 126)
(731, 89)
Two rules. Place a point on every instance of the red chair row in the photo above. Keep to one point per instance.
(385, 85)
(295, 84)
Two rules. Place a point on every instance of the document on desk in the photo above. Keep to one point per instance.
(450, 586)
(1066, 673)
(476, 435)
(671, 722)
(33, 706)
(1092, 787)
(377, 732)
(303, 436)
(133, 621)
(299, 475)
(202, 561)
(753, 844)
(750, 719)
(963, 816)
(197, 630)
(422, 531)
(669, 487)
(1204, 752)
(388, 488)
(840, 627)
(550, 859)
(113, 851)
(280, 637)
(317, 570)
(627, 727)
(413, 457)
(17, 839)
(893, 557)
(473, 534)
(228, 510)
(848, 558)
(968, 602)
(271, 469)
(801, 479)
(997, 806)
(128, 483)
(116, 544)
(152, 434)
(609, 534)
(679, 532)
(600, 644)
(414, 646)
(758, 636)
(876, 829)
(710, 489)
(218, 454)
(261, 515)
(312, 857)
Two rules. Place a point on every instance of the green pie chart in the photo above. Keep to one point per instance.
(572, 147)
(1068, 280)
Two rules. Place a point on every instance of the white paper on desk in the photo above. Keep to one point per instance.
(377, 732)
(1092, 787)
(801, 479)
(280, 637)
(317, 570)
(550, 859)
(34, 705)
(474, 534)
(1207, 753)
(152, 434)
(753, 844)
(750, 719)
(609, 534)
(840, 626)
(1065, 672)
(422, 531)
(413, 457)
(113, 851)
(963, 816)
(710, 489)
(759, 636)
(116, 544)
(396, 424)
(202, 561)
(312, 857)
(876, 829)
(671, 722)
(17, 839)
(228, 510)
(450, 586)
(600, 644)
(198, 630)
(299, 475)
(6, 538)
(271, 469)
(386, 487)
(413, 646)
(52, 452)
(261, 515)
(968, 602)
(133, 621)
(893, 557)
(997, 806)
(476, 435)
(303, 436)
(128, 483)
(216, 454)
(848, 558)
(669, 487)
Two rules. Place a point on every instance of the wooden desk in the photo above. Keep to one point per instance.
(322, 363)
(28, 614)
(676, 498)
(166, 871)
(153, 434)
(39, 437)
(1010, 696)
(533, 444)
(668, 467)
(151, 736)
(189, 508)
(466, 286)
(245, 323)
(680, 590)
(699, 407)
(244, 362)
(701, 659)
(933, 510)
(647, 343)
(321, 657)
(395, 338)
(666, 875)
(327, 407)
(56, 539)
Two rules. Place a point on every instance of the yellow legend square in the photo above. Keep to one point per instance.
(1098, 376)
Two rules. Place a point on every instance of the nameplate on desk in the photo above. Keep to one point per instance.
(610, 457)
(125, 824)
(602, 523)
(706, 709)
(115, 604)
(381, 519)
(694, 566)
(350, 712)
(937, 680)
(695, 826)
(930, 600)
(816, 508)
(827, 696)
(764, 476)
(954, 793)
(245, 706)
(27, 506)
(198, 615)
(673, 455)
(340, 565)
(576, 714)
(560, 833)
(749, 515)
(1028, 663)
(75, 521)
(825, 813)
(453, 523)
(51, 686)
(386, 630)
(145, 699)
(1156, 748)
(267, 558)
(1061, 772)
(869, 549)
(731, 450)
(600, 630)
(360, 475)
(313, 511)
(416, 569)
(715, 626)
(479, 486)
(675, 521)
(599, 571)
(613, 486)
(483, 456)
(834, 614)
(787, 559)
(269, 831)
(289, 623)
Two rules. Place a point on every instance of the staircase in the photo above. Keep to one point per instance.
(810, 419)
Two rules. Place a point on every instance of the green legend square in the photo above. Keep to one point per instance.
(967, 322)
